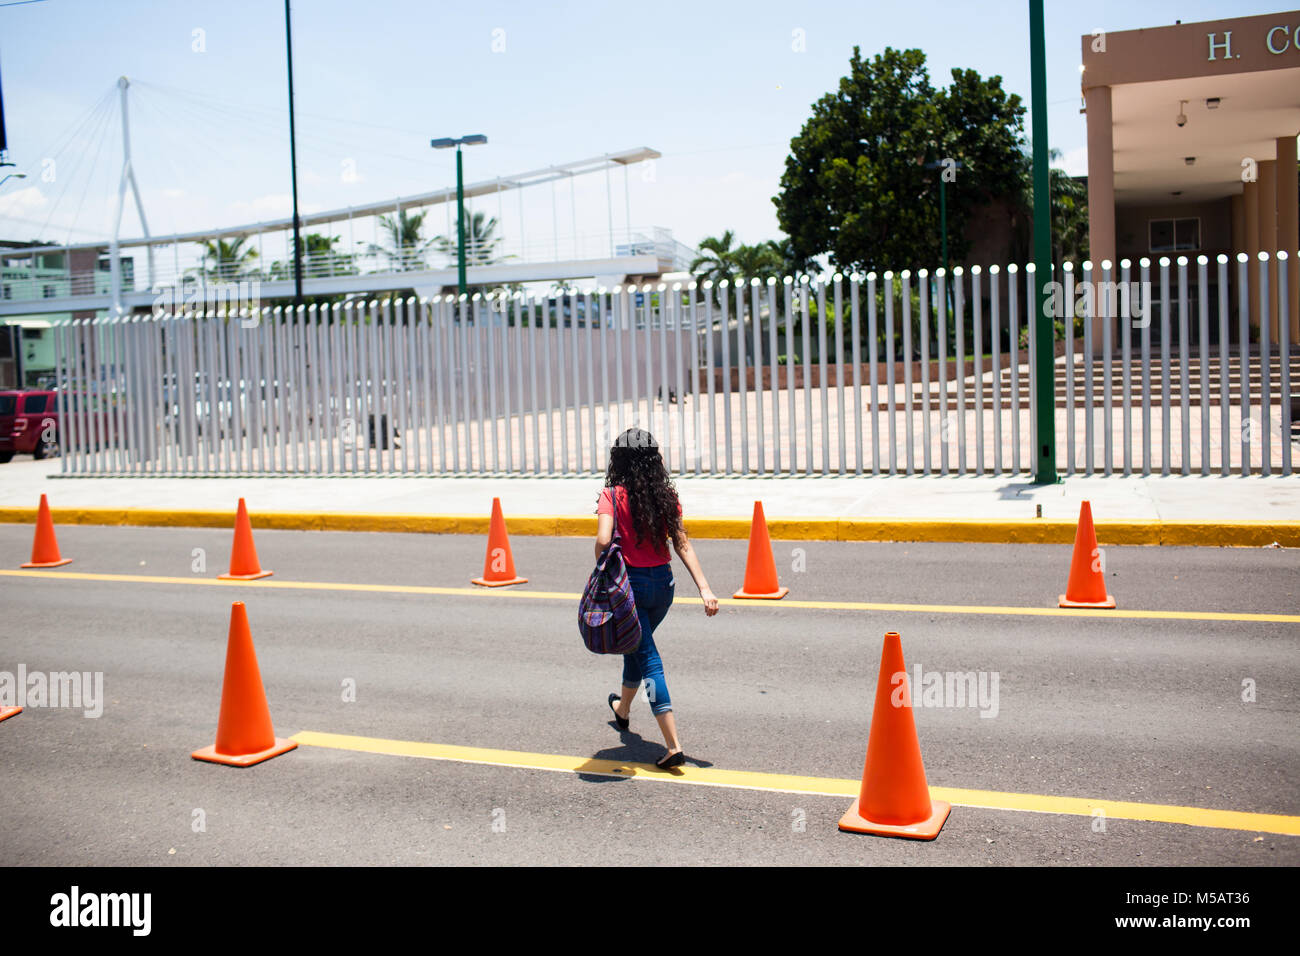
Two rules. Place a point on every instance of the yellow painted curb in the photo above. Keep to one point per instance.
(1241, 534)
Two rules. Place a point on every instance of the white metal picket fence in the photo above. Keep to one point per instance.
(778, 377)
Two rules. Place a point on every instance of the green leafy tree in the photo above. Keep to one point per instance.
(983, 130)
(792, 264)
(856, 185)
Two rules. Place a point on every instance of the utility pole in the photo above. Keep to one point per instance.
(293, 165)
(1044, 365)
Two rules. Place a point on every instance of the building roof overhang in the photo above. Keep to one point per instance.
(1253, 74)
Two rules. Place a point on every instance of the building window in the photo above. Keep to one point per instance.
(49, 291)
(6, 291)
(1174, 235)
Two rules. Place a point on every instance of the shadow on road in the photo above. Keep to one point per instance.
(605, 764)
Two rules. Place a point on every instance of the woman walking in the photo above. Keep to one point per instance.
(637, 487)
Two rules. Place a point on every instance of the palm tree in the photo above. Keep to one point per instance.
(792, 264)
(1069, 209)
(1069, 216)
(227, 261)
(760, 262)
(480, 242)
(404, 246)
(319, 259)
(716, 262)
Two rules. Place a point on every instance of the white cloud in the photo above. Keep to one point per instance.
(19, 201)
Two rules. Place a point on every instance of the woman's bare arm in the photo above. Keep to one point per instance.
(692, 562)
(604, 533)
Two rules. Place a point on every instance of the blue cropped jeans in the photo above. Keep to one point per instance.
(652, 588)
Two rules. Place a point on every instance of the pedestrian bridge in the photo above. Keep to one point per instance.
(78, 278)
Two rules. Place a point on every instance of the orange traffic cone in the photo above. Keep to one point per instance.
(499, 565)
(760, 566)
(894, 800)
(45, 547)
(243, 555)
(244, 732)
(7, 712)
(1087, 584)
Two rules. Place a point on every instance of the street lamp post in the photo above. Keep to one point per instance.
(448, 143)
(12, 176)
(293, 164)
(944, 165)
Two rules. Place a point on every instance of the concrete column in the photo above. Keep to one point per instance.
(1288, 226)
(1250, 200)
(1101, 176)
(1268, 237)
(1101, 194)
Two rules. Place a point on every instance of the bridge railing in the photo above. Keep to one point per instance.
(1160, 368)
(178, 275)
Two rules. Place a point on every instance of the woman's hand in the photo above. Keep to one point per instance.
(692, 562)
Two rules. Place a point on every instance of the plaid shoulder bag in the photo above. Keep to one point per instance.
(607, 612)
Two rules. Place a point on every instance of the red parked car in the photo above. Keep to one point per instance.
(29, 424)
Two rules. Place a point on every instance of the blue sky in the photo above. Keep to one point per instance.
(717, 87)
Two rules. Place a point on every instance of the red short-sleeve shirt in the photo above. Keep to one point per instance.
(636, 553)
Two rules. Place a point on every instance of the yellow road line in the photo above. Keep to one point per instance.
(994, 530)
(504, 593)
(815, 786)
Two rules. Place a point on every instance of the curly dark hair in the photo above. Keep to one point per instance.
(635, 463)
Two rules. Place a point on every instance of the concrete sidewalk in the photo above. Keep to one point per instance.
(1116, 498)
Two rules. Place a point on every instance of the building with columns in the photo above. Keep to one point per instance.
(1192, 145)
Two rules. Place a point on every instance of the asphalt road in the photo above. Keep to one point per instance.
(1108, 709)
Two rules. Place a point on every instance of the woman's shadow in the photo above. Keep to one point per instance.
(616, 763)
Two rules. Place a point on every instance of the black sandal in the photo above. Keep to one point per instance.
(672, 760)
(623, 722)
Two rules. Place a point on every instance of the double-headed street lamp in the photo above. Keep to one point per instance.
(3, 164)
(447, 143)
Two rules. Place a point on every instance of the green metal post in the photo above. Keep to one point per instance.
(1044, 367)
(460, 225)
(943, 220)
(943, 229)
